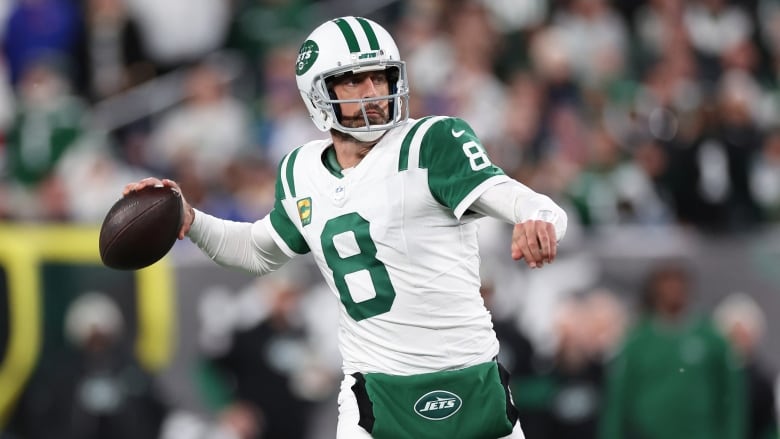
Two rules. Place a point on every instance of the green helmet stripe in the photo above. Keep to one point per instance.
(349, 35)
(370, 34)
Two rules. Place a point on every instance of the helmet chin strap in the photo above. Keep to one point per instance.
(361, 136)
(367, 136)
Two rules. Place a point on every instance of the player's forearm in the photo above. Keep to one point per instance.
(515, 203)
(237, 244)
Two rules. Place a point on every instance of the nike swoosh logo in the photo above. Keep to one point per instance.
(457, 134)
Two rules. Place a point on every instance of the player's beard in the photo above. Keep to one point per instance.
(357, 119)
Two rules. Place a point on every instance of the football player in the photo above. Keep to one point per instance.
(387, 205)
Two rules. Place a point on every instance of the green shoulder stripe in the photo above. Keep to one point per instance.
(289, 166)
(281, 222)
(403, 158)
(279, 186)
(287, 230)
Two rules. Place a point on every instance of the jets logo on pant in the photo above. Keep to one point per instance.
(438, 405)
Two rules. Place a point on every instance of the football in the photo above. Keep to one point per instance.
(140, 228)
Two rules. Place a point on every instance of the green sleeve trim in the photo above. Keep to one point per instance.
(286, 230)
(281, 222)
(403, 157)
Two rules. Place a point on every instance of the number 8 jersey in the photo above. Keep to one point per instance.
(396, 243)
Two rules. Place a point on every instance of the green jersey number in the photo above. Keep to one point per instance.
(365, 259)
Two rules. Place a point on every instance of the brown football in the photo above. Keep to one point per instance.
(140, 228)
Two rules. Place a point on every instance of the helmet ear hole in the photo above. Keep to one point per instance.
(392, 78)
(393, 74)
(332, 95)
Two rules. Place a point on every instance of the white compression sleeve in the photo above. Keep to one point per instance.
(515, 203)
(248, 246)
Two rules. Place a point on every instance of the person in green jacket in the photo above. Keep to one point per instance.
(675, 375)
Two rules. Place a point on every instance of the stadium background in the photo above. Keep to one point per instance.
(656, 124)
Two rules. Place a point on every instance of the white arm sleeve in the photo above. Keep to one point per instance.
(248, 246)
(515, 203)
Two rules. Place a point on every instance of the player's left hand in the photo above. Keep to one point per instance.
(534, 241)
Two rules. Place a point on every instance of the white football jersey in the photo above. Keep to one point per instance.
(396, 243)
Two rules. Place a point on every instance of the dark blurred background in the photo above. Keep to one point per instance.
(654, 123)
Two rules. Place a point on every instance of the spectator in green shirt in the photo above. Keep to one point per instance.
(676, 376)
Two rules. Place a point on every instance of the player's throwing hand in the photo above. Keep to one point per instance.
(189, 213)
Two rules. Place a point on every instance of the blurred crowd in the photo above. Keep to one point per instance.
(638, 112)
(627, 112)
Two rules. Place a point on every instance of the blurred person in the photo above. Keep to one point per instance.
(285, 123)
(184, 424)
(207, 131)
(614, 188)
(710, 137)
(281, 21)
(111, 50)
(422, 34)
(178, 33)
(675, 375)
(653, 161)
(394, 239)
(564, 124)
(674, 112)
(606, 323)
(569, 384)
(42, 28)
(741, 137)
(514, 16)
(524, 130)
(7, 102)
(765, 177)
(659, 24)
(5, 11)
(7, 114)
(743, 56)
(250, 182)
(87, 172)
(594, 37)
(669, 89)
(743, 322)
(517, 353)
(260, 363)
(476, 43)
(768, 20)
(100, 390)
(714, 27)
(50, 120)
(464, 47)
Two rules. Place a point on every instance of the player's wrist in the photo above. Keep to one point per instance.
(189, 216)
